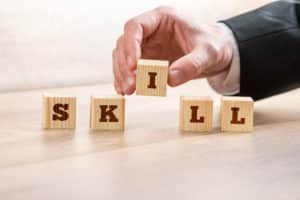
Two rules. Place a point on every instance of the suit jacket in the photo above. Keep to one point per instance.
(269, 44)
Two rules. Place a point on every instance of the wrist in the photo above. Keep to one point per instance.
(227, 82)
(228, 46)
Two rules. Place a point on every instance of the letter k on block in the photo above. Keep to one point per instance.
(107, 113)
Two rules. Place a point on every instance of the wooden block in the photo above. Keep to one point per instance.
(152, 77)
(237, 114)
(107, 113)
(196, 114)
(59, 111)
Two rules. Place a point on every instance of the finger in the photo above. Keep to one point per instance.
(187, 67)
(135, 31)
(126, 72)
(116, 71)
(127, 79)
(117, 74)
(118, 88)
(130, 87)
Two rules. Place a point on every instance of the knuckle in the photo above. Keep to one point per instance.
(212, 50)
(130, 23)
(165, 10)
(197, 63)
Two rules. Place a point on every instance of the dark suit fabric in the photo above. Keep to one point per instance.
(269, 45)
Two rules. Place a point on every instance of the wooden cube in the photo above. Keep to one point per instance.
(152, 77)
(107, 113)
(237, 114)
(196, 114)
(59, 112)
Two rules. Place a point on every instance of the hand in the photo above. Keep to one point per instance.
(194, 51)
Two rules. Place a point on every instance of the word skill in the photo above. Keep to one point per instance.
(108, 113)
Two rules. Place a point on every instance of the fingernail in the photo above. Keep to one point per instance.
(130, 81)
(175, 77)
(127, 88)
(118, 89)
(124, 86)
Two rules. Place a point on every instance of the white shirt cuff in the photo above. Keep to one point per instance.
(228, 82)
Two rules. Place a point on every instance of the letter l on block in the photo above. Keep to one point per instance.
(196, 114)
(237, 114)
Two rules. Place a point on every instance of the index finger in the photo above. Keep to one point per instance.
(137, 29)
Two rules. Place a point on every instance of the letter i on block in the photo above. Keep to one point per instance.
(59, 111)
(152, 77)
(196, 114)
(107, 113)
(237, 114)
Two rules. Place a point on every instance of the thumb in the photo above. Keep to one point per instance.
(187, 68)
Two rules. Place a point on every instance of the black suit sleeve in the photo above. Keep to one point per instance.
(269, 45)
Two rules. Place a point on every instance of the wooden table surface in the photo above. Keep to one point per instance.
(152, 159)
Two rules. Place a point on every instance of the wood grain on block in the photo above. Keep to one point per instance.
(237, 114)
(196, 114)
(107, 113)
(59, 111)
(152, 77)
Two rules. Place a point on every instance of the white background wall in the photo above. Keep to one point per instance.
(54, 43)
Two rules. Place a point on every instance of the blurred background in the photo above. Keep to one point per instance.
(57, 43)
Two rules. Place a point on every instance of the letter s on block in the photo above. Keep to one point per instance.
(60, 110)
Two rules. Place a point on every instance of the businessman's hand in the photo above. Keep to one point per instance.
(195, 51)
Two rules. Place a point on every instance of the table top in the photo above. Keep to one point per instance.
(151, 159)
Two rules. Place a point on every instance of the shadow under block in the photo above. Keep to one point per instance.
(152, 77)
(59, 112)
(237, 114)
(107, 113)
(196, 114)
